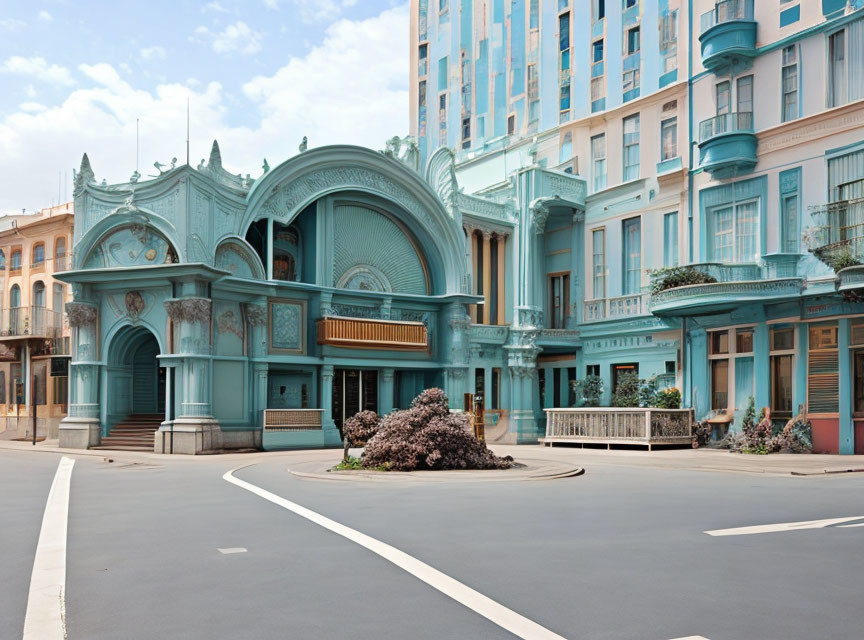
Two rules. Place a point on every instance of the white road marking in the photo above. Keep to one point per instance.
(46, 616)
(692, 638)
(485, 606)
(231, 550)
(847, 526)
(783, 526)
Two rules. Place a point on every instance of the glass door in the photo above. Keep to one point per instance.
(354, 390)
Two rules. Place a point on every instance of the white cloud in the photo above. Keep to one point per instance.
(320, 10)
(38, 69)
(236, 38)
(153, 53)
(329, 95)
(214, 6)
(11, 24)
(32, 107)
(45, 16)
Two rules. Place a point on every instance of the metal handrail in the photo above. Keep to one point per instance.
(727, 11)
(736, 122)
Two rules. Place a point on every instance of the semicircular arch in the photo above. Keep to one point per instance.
(137, 232)
(235, 255)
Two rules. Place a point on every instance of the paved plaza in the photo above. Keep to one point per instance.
(249, 549)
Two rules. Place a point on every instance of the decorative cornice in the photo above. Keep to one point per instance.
(81, 314)
(189, 309)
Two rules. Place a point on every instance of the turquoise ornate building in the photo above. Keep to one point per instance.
(334, 282)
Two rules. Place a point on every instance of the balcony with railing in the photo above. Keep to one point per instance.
(728, 35)
(727, 144)
(35, 322)
(365, 333)
(646, 427)
(734, 285)
(617, 308)
(837, 237)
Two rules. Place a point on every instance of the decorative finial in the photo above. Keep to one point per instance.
(104, 183)
(85, 174)
(173, 162)
(215, 157)
(135, 177)
(201, 165)
(265, 166)
(304, 145)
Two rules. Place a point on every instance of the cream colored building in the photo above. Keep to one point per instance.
(34, 336)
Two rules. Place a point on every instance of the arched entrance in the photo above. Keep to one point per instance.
(136, 383)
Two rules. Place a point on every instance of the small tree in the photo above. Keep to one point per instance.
(589, 389)
(627, 391)
(428, 436)
(669, 398)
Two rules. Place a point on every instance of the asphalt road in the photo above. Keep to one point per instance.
(619, 553)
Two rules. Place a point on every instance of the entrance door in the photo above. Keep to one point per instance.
(146, 396)
(354, 390)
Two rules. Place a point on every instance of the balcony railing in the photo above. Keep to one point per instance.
(738, 122)
(619, 426)
(615, 308)
(727, 11)
(839, 225)
(369, 333)
(31, 321)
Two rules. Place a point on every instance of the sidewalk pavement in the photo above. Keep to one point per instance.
(541, 460)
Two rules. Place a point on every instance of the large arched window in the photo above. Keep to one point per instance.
(2, 260)
(60, 254)
(38, 255)
(38, 294)
(15, 296)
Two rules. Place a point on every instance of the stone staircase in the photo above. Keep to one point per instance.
(135, 433)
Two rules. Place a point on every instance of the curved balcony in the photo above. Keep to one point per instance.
(728, 35)
(727, 144)
(700, 299)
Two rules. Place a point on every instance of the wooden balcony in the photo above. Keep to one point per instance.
(365, 333)
(646, 427)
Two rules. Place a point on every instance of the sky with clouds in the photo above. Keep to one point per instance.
(259, 75)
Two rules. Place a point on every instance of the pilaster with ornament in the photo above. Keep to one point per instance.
(191, 319)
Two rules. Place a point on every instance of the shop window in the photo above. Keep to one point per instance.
(571, 392)
(592, 370)
(495, 390)
(620, 369)
(782, 347)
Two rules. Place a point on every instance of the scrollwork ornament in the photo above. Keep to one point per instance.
(80, 314)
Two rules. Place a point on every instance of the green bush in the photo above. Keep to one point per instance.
(628, 391)
(589, 389)
(671, 277)
(669, 398)
(840, 259)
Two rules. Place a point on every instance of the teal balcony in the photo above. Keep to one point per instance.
(837, 237)
(737, 285)
(728, 35)
(727, 144)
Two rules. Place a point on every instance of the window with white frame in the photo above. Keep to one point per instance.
(598, 161)
(669, 139)
(632, 234)
(735, 232)
(723, 97)
(837, 68)
(631, 147)
(598, 266)
(790, 82)
(744, 94)
(670, 239)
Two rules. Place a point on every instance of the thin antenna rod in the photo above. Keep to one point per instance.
(187, 129)
(137, 145)
(59, 185)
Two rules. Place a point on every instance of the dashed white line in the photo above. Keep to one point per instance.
(230, 550)
(474, 600)
(782, 526)
(46, 618)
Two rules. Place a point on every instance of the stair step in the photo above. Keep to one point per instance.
(124, 447)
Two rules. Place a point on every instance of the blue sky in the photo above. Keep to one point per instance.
(260, 74)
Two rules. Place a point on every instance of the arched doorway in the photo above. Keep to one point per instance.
(136, 383)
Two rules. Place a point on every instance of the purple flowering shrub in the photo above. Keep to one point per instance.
(428, 437)
(360, 428)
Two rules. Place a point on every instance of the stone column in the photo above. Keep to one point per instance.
(761, 366)
(194, 430)
(80, 429)
(385, 391)
(455, 353)
(487, 276)
(256, 330)
(325, 384)
(502, 280)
